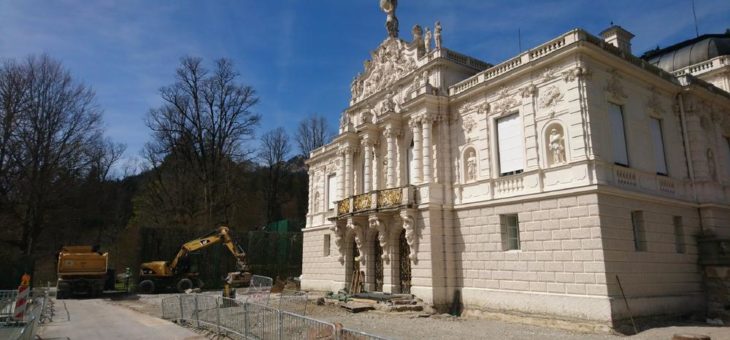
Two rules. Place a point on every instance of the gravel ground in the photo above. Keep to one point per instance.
(408, 325)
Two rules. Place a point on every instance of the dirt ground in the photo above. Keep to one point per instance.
(408, 325)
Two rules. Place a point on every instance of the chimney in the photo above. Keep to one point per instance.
(619, 37)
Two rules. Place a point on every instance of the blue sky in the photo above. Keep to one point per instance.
(299, 55)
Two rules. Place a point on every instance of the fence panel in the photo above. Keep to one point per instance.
(247, 320)
(7, 304)
(232, 317)
(171, 308)
(293, 303)
(349, 334)
(262, 322)
(295, 326)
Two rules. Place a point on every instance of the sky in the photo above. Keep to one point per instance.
(300, 55)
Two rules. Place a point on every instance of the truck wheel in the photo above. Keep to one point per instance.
(184, 284)
(146, 287)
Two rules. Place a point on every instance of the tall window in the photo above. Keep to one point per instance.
(510, 232)
(510, 145)
(679, 235)
(331, 191)
(658, 141)
(618, 134)
(637, 224)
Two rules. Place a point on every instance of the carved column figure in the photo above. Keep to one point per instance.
(359, 239)
(409, 224)
(415, 166)
(339, 233)
(427, 123)
(377, 224)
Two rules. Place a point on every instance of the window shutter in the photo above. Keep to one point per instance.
(618, 136)
(331, 191)
(658, 140)
(510, 141)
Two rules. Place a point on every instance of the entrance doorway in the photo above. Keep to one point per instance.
(404, 261)
(377, 264)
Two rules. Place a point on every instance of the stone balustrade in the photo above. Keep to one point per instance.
(377, 200)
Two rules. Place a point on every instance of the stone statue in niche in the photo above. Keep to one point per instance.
(437, 34)
(556, 143)
(471, 166)
(427, 40)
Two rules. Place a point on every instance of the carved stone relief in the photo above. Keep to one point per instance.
(555, 142)
(653, 103)
(390, 62)
(575, 73)
(359, 233)
(550, 97)
(614, 86)
(505, 102)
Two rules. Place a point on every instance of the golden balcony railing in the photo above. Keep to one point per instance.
(376, 200)
(390, 198)
(363, 202)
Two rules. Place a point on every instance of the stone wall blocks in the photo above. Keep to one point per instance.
(569, 223)
(541, 215)
(553, 287)
(562, 234)
(594, 243)
(573, 244)
(589, 221)
(551, 245)
(577, 288)
(558, 213)
(587, 199)
(544, 256)
(554, 266)
(567, 202)
(580, 233)
(575, 267)
(548, 204)
(562, 255)
(538, 286)
(578, 211)
(536, 266)
(596, 289)
(594, 267)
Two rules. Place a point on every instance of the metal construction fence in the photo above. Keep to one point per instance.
(39, 311)
(242, 319)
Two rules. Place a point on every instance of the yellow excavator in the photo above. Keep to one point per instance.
(158, 275)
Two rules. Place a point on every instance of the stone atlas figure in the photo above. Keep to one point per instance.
(557, 147)
(391, 24)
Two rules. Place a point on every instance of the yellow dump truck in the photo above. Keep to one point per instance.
(82, 270)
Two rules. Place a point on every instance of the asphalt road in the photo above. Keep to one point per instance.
(99, 319)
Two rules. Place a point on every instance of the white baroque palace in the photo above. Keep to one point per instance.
(530, 185)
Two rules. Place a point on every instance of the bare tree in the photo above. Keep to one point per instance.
(312, 132)
(272, 153)
(51, 124)
(205, 118)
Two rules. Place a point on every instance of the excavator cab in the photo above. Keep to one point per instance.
(181, 273)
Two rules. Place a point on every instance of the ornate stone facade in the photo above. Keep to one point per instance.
(441, 157)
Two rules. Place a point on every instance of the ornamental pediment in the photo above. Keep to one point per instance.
(390, 62)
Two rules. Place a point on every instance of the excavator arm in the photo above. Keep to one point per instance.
(222, 234)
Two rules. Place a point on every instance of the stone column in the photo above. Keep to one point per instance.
(310, 206)
(416, 167)
(366, 149)
(427, 122)
(390, 135)
(348, 171)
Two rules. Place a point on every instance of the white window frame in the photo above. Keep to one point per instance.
(331, 191)
(619, 144)
(511, 157)
(510, 232)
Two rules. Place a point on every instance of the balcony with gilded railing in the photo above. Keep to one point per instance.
(379, 200)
